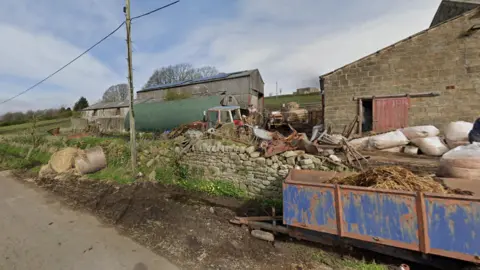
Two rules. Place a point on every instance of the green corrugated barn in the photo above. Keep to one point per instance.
(161, 116)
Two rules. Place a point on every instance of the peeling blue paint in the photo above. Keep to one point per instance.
(454, 227)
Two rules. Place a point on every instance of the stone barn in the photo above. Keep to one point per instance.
(432, 77)
(246, 86)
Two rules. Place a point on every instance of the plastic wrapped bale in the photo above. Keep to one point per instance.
(388, 140)
(432, 146)
(420, 132)
(456, 133)
(461, 162)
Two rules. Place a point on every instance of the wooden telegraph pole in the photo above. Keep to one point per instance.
(133, 143)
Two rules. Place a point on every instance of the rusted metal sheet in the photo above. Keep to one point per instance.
(390, 113)
(309, 207)
(454, 227)
(437, 224)
(382, 218)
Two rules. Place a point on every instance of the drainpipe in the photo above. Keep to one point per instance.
(322, 92)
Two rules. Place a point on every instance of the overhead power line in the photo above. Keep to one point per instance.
(83, 53)
(153, 11)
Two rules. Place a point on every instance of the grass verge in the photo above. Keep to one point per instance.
(338, 262)
(41, 126)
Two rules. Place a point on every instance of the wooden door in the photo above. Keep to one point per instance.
(390, 113)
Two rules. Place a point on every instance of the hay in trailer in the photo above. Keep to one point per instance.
(392, 178)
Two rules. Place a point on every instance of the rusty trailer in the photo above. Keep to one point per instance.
(425, 223)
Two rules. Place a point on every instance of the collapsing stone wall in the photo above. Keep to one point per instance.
(245, 167)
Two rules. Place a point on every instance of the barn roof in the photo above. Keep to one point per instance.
(449, 9)
(218, 77)
(404, 40)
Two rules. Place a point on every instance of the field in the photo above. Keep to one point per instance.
(42, 126)
(275, 103)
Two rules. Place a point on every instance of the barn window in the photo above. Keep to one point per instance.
(94, 113)
(117, 112)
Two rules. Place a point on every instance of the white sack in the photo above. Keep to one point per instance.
(458, 131)
(396, 149)
(411, 150)
(432, 146)
(360, 143)
(388, 140)
(420, 132)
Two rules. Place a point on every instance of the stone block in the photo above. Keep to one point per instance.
(243, 156)
(250, 149)
(242, 149)
(247, 163)
(269, 162)
(150, 163)
(308, 167)
(274, 158)
(254, 154)
(270, 178)
(225, 160)
(266, 183)
(289, 154)
(291, 160)
(283, 172)
(306, 162)
(275, 166)
(260, 161)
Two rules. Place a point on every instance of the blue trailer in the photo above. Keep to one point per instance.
(435, 229)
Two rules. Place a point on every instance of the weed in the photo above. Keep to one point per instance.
(345, 263)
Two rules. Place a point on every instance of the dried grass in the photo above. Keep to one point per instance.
(392, 178)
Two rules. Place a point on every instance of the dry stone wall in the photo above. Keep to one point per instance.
(246, 167)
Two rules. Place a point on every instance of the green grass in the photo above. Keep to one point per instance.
(275, 103)
(12, 157)
(334, 260)
(42, 126)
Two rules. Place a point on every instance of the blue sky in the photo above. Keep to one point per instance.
(292, 42)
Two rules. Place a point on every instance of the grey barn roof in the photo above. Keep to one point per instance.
(218, 77)
(118, 104)
(449, 9)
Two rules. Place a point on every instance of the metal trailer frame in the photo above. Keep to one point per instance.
(433, 224)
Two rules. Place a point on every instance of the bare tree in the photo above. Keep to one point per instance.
(115, 93)
(179, 73)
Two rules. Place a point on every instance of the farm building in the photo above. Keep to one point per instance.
(432, 77)
(246, 86)
(307, 90)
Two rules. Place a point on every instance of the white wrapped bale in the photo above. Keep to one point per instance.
(461, 162)
(388, 140)
(420, 132)
(432, 146)
(360, 143)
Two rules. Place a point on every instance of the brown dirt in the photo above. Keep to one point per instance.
(190, 229)
(193, 230)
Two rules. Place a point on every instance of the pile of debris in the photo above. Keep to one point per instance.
(74, 161)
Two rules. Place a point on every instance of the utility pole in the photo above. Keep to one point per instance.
(276, 90)
(133, 141)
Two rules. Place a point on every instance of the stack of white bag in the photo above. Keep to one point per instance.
(426, 139)
(461, 162)
(456, 133)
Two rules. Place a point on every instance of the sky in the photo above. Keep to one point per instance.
(290, 42)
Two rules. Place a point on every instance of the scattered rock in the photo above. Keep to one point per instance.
(335, 158)
(152, 176)
(150, 163)
(212, 210)
(215, 170)
(139, 175)
(46, 172)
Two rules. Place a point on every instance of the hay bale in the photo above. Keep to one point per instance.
(392, 178)
(63, 160)
(92, 161)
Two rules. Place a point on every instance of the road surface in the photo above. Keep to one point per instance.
(38, 232)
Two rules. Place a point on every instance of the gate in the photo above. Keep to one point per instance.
(390, 113)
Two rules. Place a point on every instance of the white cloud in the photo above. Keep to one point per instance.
(293, 42)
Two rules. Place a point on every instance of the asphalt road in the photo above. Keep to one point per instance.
(38, 232)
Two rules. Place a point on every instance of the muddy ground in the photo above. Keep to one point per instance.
(192, 230)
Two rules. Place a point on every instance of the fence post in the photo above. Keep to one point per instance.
(423, 237)
(339, 210)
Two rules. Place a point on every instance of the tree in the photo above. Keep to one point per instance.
(81, 104)
(179, 73)
(115, 93)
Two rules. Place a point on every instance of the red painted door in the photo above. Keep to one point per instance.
(390, 113)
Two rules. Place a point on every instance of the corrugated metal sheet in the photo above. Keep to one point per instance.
(161, 116)
(390, 113)
(220, 76)
(437, 224)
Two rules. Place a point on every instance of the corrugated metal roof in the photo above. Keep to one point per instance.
(224, 108)
(118, 104)
(452, 8)
(218, 77)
